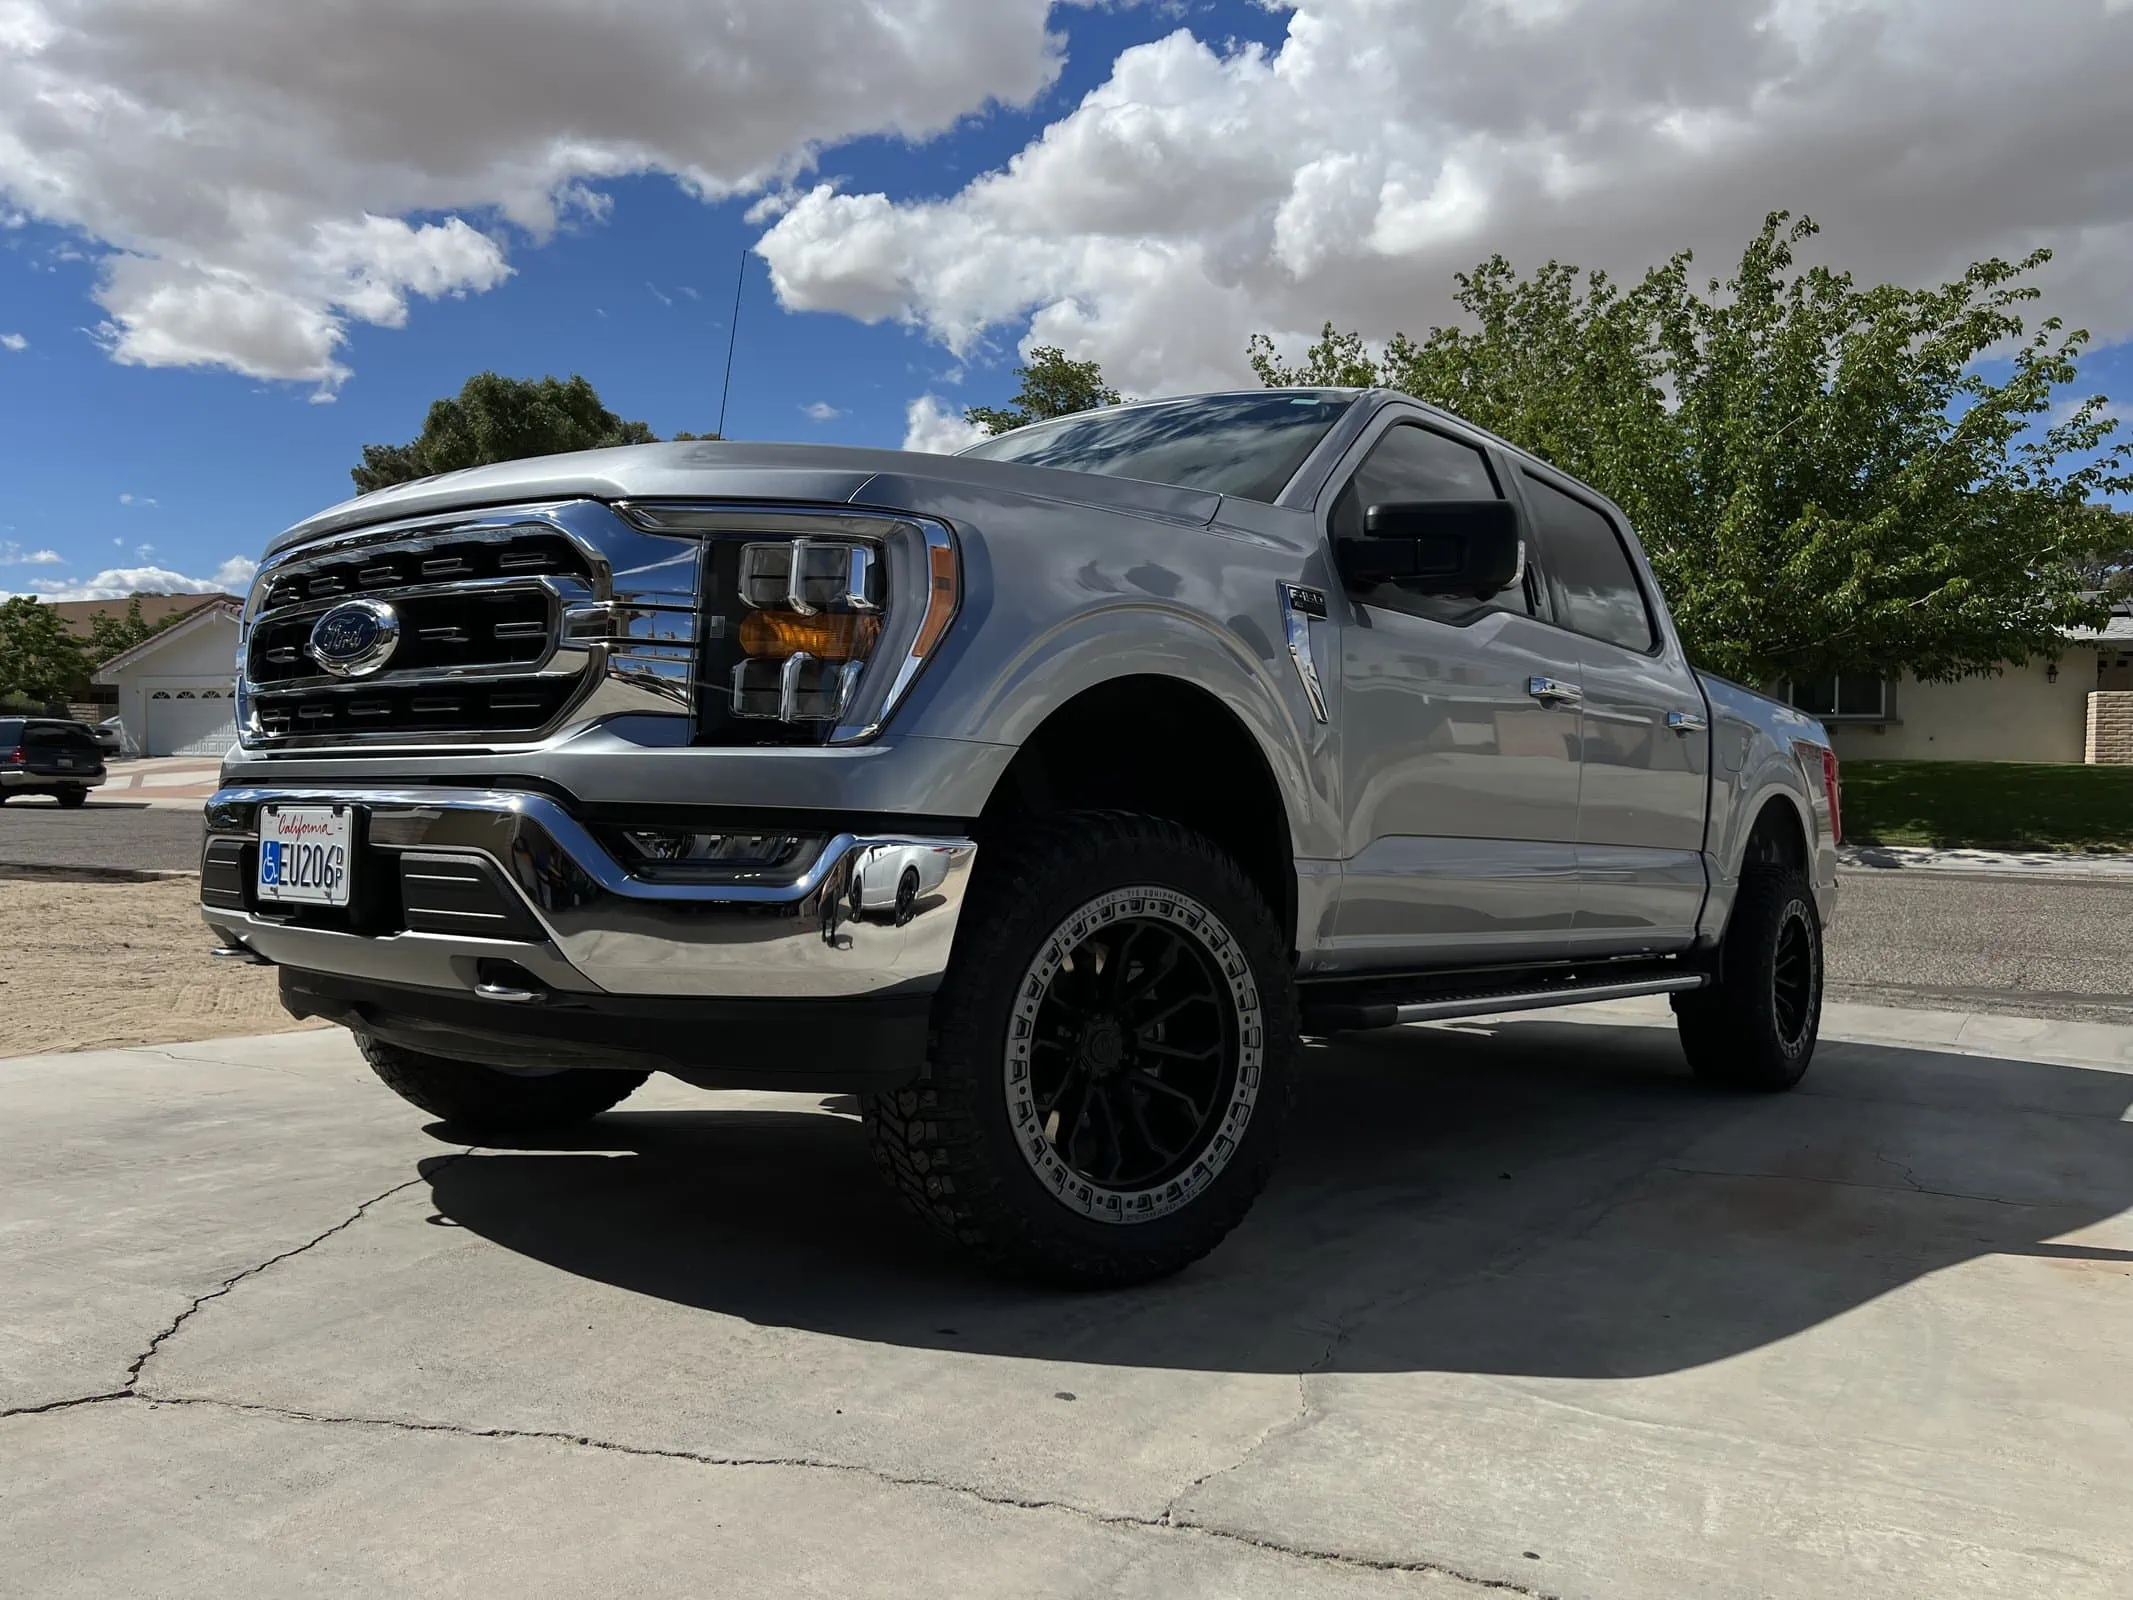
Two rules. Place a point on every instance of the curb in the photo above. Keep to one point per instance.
(1871, 859)
(48, 872)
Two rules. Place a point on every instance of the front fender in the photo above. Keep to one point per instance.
(1238, 664)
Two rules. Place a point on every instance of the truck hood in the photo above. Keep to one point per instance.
(899, 480)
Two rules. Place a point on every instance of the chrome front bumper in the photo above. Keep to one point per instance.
(819, 936)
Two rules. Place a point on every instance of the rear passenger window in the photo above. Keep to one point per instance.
(1599, 593)
(1412, 464)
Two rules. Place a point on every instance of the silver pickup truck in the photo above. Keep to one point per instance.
(1044, 796)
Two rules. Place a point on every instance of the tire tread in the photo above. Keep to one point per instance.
(928, 1138)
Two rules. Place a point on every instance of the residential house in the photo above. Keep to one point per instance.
(2077, 708)
(176, 690)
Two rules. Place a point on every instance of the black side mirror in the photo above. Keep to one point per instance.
(1459, 547)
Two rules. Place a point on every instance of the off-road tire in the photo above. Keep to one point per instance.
(481, 1099)
(947, 1145)
(72, 799)
(1755, 1027)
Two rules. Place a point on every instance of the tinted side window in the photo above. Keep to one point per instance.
(1600, 594)
(1412, 464)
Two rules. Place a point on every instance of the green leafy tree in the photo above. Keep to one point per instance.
(1052, 386)
(110, 636)
(1825, 475)
(40, 662)
(494, 418)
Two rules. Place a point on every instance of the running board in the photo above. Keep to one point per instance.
(1320, 1020)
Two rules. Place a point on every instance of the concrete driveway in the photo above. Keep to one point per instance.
(1526, 1308)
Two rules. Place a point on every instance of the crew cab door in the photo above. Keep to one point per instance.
(1645, 746)
(1459, 742)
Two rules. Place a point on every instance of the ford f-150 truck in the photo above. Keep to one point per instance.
(1044, 796)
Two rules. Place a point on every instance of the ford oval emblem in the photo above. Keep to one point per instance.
(356, 639)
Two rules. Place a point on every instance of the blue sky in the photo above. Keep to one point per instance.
(117, 466)
(183, 466)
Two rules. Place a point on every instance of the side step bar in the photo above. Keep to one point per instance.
(1354, 1018)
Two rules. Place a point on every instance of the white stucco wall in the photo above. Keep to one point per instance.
(2018, 716)
(205, 656)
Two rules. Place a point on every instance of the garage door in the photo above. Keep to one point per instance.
(190, 722)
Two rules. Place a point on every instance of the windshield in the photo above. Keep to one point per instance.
(1248, 445)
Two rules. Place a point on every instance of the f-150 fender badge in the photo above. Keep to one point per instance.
(1300, 605)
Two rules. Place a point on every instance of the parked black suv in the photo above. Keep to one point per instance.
(43, 755)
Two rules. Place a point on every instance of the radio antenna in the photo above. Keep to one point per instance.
(733, 333)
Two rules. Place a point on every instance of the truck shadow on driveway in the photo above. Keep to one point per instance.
(1532, 1197)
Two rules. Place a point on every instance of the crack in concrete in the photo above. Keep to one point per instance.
(1165, 1522)
(1168, 1517)
(133, 1372)
(68, 1404)
(1878, 1188)
(1118, 1519)
(131, 1390)
(1903, 1171)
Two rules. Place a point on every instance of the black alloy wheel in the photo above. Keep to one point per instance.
(1795, 976)
(1133, 1054)
(1115, 1050)
(1755, 1025)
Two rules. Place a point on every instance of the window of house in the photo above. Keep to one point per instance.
(1597, 582)
(1408, 466)
(1850, 694)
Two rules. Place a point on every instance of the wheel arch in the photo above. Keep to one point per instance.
(1164, 746)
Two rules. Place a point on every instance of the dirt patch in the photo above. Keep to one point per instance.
(87, 966)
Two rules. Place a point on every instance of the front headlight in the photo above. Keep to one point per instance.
(814, 624)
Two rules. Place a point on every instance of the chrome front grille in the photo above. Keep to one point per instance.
(461, 629)
(504, 624)
(451, 557)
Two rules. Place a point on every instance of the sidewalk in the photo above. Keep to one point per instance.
(162, 780)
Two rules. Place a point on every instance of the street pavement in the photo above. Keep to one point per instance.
(106, 833)
(1526, 1308)
(2005, 941)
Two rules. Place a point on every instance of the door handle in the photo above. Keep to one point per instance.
(1685, 722)
(1551, 691)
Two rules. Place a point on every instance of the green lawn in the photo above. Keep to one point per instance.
(1988, 805)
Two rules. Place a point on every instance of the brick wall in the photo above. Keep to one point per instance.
(2110, 740)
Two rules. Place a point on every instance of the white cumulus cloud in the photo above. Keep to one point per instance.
(13, 341)
(820, 411)
(13, 555)
(1202, 193)
(263, 176)
(236, 574)
(116, 583)
(936, 428)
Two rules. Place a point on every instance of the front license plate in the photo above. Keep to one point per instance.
(306, 853)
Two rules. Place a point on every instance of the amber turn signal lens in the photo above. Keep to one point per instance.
(827, 635)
